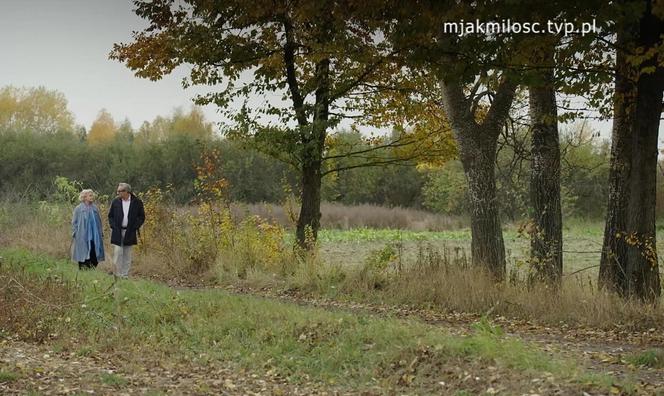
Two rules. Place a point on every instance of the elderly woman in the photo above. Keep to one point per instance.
(88, 245)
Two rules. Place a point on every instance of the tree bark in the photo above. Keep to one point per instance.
(612, 270)
(312, 138)
(308, 222)
(642, 269)
(629, 264)
(546, 234)
(478, 156)
(478, 146)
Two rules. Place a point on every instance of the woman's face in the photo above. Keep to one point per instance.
(88, 198)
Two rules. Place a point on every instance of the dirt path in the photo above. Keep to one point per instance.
(40, 370)
(600, 351)
(45, 370)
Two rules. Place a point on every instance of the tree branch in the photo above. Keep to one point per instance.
(393, 161)
(456, 105)
(394, 144)
(368, 70)
(291, 76)
(502, 102)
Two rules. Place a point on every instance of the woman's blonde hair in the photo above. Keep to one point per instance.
(85, 192)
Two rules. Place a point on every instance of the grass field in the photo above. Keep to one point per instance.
(195, 327)
(582, 244)
(45, 227)
(421, 268)
(89, 314)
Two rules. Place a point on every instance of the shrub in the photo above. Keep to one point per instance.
(205, 237)
(34, 308)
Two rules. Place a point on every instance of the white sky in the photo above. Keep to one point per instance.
(64, 45)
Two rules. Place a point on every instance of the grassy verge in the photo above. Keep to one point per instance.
(653, 358)
(7, 376)
(147, 319)
(389, 235)
(416, 268)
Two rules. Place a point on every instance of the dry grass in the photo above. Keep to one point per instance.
(450, 287)
(434, 277)
(344, 217)
(33, 307)
(40, 237)
(445, 282)
(39, 227)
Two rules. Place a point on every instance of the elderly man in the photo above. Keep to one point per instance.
(125, 216)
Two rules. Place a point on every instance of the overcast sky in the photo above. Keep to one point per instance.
(64, 45)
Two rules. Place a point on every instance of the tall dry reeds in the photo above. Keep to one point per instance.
(444, 279)
(344, 217)
(39, 227)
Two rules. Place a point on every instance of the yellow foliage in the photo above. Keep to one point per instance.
(204, 236)
(103, 129)
(645, 244)
(34, 109)
(191, 124)
(198, 238)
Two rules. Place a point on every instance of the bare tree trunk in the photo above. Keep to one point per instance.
(312, 138)
(642, 265)
(308, 223)
(478, 156)
(546, 243)
(612, 270)
(478, 146)
(629, 264)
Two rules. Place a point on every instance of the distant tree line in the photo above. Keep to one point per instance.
(39, 145)
(39, 140)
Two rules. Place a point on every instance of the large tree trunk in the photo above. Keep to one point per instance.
(612, 274)
(478, 156)
(308, 223)
(478, 145)
(642, 269)
(629, 264)
(546, 236)
(312, 137)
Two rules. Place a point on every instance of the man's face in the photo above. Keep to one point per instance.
(122, 193)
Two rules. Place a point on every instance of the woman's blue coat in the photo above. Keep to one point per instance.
(79, 225)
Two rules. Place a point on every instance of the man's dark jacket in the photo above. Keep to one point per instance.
(136, 217)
